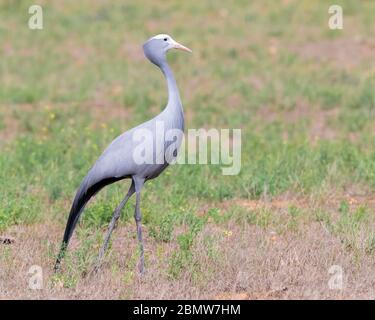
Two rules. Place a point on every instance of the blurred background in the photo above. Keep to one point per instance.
(302, 94)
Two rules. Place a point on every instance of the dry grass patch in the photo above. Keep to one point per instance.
(248, 262)
(342, 52)
(319, 121)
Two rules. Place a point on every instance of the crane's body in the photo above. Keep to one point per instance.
(117, 162)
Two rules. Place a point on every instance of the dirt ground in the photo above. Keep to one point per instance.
(248, 262)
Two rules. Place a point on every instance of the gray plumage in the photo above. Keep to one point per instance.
(117, 162)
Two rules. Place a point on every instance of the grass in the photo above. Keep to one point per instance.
(305, 105)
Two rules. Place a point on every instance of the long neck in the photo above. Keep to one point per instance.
(174, 100)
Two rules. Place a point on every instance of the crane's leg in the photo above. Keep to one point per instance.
(112, 226)
(137, 215)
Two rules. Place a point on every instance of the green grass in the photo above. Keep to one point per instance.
(89, 48)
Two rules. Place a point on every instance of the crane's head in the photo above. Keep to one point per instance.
(156, 47)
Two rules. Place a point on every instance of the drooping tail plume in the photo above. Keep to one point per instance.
(84, 194)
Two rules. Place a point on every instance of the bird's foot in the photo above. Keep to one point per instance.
(97, 267)
(57, 267)
(141, 268)
(99, 260)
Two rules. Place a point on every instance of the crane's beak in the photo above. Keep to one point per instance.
(179, 46)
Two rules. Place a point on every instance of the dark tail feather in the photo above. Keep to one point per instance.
(84, 194)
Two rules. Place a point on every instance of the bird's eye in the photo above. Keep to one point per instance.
(165, 39)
